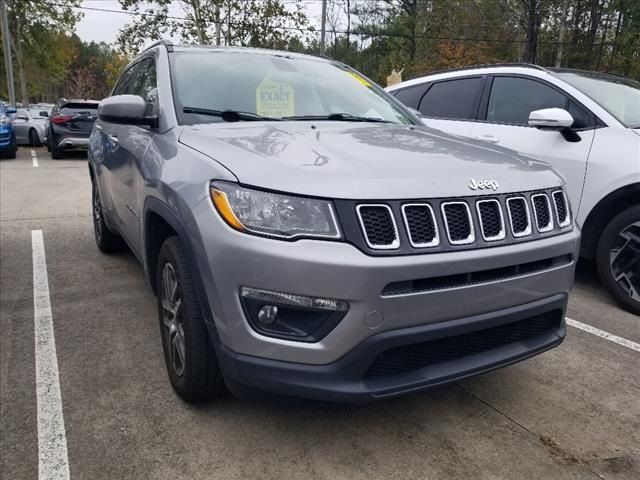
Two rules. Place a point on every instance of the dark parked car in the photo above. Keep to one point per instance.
(70, 125)
(7, 132)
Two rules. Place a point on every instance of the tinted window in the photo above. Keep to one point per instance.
(452, 99)
(78, 108)
(513, 99)
(581, 117)
(411, 96)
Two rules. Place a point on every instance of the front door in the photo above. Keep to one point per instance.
(505, 122)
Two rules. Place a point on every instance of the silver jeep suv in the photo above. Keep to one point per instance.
(306, 235)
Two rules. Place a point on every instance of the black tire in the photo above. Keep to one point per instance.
(106, 240)
(621, 237)
(56, 153)
(34, 139)
(194, 375)
(11, 153)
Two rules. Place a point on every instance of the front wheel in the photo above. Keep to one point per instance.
(106, 240)
(189, 356)
(618, 258)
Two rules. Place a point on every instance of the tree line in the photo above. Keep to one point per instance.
(374, 36)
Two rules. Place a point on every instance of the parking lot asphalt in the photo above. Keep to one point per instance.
(571, 413)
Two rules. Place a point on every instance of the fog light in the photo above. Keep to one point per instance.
(290, 316)
(267, 314)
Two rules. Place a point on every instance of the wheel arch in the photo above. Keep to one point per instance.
(601, 214)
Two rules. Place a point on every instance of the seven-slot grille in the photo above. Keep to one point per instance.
(379, 226)
(561, 208)
(470, 221)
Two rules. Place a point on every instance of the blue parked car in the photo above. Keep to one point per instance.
(7, 132)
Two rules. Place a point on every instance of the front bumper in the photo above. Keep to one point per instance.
(229, 260)
(346, 379)
(6, 138)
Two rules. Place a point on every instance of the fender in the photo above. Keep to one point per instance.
(154, 205)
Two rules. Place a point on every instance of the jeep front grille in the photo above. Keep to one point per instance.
(420, 223)
(379, 226)
(561, 208)
(542, 212)
(405, 227)
(404, 359)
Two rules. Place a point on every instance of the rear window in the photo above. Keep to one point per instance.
(78, 108)
(452, 99)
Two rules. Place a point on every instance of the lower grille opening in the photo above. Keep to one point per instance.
(474, 278)
(408, 358)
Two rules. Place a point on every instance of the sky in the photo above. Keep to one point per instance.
(103, 26)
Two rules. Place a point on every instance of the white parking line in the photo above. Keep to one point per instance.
(34, 158)
(602, 334)
(53, 461)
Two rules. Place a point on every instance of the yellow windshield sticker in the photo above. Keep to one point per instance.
(275, 99)
(360, 79)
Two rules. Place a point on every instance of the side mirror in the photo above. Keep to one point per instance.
(554, 119)
(125, 109)
(551, 118)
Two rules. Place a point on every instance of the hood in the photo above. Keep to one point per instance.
(363, 161)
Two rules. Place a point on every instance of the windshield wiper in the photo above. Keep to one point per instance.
(228, 115)
(341, 117)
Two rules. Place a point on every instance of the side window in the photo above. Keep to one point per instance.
(411, 96)
(512, 99)
(582, 119)
(452, 99)
(145, 78)
(125, 84)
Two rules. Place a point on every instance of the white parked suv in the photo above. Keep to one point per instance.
(585, 124)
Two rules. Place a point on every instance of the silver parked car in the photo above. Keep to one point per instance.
(306, 235)
(30, 125)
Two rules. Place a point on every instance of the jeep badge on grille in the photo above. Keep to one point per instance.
(483, 184)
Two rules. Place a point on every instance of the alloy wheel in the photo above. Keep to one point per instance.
(172, 317)
(624, 260)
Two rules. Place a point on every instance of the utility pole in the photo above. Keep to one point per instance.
(217, 21)
(323, 27)
(6, 42)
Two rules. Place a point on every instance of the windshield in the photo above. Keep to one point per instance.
(273, 86)
(619, 96)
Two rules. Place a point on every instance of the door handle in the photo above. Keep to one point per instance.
(488, 138)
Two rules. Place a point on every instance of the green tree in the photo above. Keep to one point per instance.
(34, 25)
(266, 23)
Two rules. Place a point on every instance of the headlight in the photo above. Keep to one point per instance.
(4, 121)
(273, 214)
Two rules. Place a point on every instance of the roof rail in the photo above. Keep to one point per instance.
(167, 43)
(483, 65)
